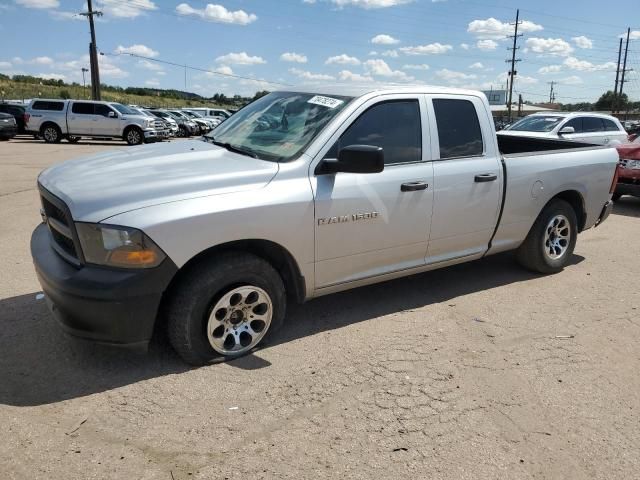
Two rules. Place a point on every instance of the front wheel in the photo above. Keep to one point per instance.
(134, 136)
(551, 240)
(225, 307)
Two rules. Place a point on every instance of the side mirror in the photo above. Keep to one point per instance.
(355, 159)
(112, 114)
(565, 130)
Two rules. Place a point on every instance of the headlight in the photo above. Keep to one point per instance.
(151, 123)
(115, 246)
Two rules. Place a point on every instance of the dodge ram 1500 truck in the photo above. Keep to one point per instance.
(300, 194)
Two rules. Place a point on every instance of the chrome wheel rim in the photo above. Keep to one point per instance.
(557, 237)
(50, 134)
(239, 320)
(133, 136)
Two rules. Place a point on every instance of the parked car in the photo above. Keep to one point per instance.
(192, 127)
(162, 127)
(54, 120)
(203, 126)
(174, 129)
(629, 172)
(18, 112)
(217, 113)
(353, 186)
(208, 124)
(8, 126)
(593, 128)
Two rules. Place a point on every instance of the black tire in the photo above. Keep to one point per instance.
(51, 133)
(133, 136)
(616, 197)
(182, 132)
(193, 299)
(71, 139)
(4, 139)
(534, 253)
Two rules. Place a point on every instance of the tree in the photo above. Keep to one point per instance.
(64, 94)
(605, 102)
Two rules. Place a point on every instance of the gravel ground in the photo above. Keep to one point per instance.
(478, 371)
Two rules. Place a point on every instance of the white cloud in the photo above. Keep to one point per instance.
(422, 66)
(147, 65)
(549, 46)
(41, 61)
(520, 79)
(476, 66)
(138, 49)
(572, 80)
(582, 65)
(370, 3)
(217, 13)
(464, 46)
(39, 3)
(241, 58)
(582, 42)
(486, 45)
(494, 29)
(634, 35)
(453, 76)
(224, 69)
(384, 39)
(550, 69)
(51, 76)
(347, 76)
(343, 59)
(390, 53)
(380, 68)
(293, 57)
(309, 76)
(130, 9)
(5, 65)
(108, 68)
(152, 82)
(430, 49)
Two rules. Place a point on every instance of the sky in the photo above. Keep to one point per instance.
(241, 46)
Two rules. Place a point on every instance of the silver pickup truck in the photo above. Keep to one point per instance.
(300, 194)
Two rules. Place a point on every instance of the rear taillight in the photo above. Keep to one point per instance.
(614, 182)
(26, 117)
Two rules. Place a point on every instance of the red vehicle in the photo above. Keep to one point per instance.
(629, 171)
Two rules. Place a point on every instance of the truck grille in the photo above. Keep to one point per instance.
(58, 218)
(158, 125)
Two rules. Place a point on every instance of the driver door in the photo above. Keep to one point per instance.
(371, 224)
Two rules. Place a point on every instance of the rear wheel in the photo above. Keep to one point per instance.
(51, 133)
(225, 308)
(551, 240)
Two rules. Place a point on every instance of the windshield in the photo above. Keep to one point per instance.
(536, 123)
(279, 125)
(192, 114)
(123, 109)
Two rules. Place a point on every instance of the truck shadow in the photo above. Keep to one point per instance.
(41, 365)
(627, 206)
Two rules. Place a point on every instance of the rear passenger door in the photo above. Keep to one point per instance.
(467, 181)
(80, 118)
(593, 130)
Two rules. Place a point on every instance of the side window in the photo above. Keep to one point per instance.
(395, 126)
(576, 123)
(459, 131)
(592, 124)
(610, 126)
(101, 109)
(44, 105)
(82, 108)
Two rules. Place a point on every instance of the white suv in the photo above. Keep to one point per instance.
(581, 127)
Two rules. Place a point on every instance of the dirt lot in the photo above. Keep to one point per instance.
(465, 372)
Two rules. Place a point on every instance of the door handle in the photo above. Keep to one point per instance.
(486, 177)
(413, 186)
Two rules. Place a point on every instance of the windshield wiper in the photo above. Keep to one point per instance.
(232, 148)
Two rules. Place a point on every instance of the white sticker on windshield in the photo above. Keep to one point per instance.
(325, 101)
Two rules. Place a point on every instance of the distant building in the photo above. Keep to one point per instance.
(496, 97)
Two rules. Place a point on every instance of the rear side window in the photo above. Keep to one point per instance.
(82, 108)
(47, 105)
(459, 131)
(610, 126)
(592, 124)
(395, 126)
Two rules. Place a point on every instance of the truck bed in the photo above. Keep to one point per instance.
(513, 144)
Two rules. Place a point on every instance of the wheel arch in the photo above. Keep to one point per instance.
(46, 123)
(277, 255)
(576, 200)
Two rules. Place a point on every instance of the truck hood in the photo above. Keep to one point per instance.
(100, 186)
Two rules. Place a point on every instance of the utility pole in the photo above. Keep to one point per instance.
(624, 65)
(512, 72)
(93, 52)
(615, 90)
(552, 94)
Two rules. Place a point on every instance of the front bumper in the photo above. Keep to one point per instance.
(606, 211)
(8, 132)
(106, 305)
(150, 134)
